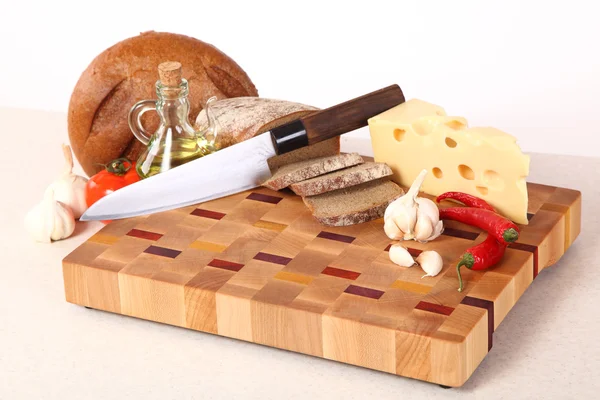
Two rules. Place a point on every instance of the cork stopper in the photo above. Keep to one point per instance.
(170, 73)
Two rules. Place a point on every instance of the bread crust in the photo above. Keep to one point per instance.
(344, 178)
(126, 73)
(304, 170)
(354, 218)
(242, 118)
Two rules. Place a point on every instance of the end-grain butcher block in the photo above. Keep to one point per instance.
(257, 266)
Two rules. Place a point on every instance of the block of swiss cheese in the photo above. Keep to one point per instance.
(484, 162)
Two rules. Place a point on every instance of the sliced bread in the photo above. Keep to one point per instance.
(329, 147)
(300, 171)
(344, 178)
(354, 205)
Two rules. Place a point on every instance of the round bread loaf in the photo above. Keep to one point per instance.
(125, 74)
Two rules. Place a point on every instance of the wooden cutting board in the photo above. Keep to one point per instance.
(256, 266)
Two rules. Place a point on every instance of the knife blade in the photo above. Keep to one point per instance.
(242, 166)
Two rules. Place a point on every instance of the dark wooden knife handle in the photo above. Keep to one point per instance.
(336, 120)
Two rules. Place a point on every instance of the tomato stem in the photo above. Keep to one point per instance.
(119, 167)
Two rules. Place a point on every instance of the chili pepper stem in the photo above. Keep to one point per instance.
(510, 235)
(460, 281)
(467, 260)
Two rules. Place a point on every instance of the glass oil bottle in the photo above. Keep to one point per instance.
(175, 142)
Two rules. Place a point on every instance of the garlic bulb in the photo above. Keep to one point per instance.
(49, 220)
(431, 262)
(400, 256)
(69, 189)
(413, 218)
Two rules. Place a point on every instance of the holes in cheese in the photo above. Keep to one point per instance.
(482, 190)
(455, 124)
(493, 179)
(399, 134)
(466, 172)
(422, 127)
(450, 142)
(492, 164)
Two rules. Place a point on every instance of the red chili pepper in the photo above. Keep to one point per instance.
(466, 199)
(491, 250)
(480, 257)
(504, 230)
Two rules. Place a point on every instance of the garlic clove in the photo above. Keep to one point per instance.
(400, 256)
(405, 219)
(391, 209)
(64, 222)
(431, 262)
(71, 192)
(391, 230)
(437, 231)
(423, 228)
(429, 208)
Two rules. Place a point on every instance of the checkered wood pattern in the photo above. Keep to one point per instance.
(256, 266)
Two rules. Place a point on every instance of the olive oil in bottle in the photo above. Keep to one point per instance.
(181, 152)
(175, 142)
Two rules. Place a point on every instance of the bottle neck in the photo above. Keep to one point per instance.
(173, 105)
(172, 92)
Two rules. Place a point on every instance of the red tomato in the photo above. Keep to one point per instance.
(118, 174)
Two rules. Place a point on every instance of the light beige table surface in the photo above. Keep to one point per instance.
(548, 347)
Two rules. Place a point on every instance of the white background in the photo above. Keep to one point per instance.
(530, 68)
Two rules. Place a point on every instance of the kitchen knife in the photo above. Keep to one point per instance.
(242, 166)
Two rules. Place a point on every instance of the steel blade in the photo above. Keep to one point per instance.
(232, 170)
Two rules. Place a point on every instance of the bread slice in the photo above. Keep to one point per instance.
(354, 205)
(300, 171)
(344, 178)
(329, 147)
